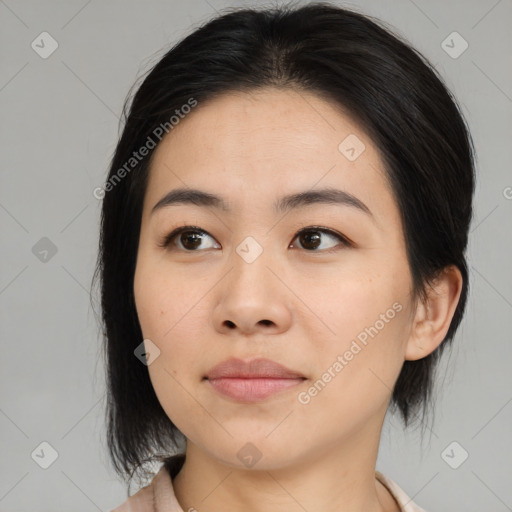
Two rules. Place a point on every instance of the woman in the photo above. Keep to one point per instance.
(281, 259)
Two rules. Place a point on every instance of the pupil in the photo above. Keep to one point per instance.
(311, 236)
(189, 236)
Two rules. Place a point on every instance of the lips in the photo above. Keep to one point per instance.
(252, 381)
(253, 369)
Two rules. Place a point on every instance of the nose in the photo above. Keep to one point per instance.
(252, 299)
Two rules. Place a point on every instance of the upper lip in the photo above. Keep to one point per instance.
(254, 368)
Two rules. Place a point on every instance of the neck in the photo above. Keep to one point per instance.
(336, 479)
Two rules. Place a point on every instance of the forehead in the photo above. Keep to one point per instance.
(253, 147)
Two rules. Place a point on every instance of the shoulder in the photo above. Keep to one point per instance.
(406, 504)
(158, 495)
(141, 501)
(160, 492)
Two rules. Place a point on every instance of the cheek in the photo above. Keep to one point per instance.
(166, 317)
(162, 299)
(360, 347)
(168, 312)
(355, 374)
(346, 303)
(172, 390)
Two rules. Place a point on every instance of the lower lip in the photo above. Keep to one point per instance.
(252, 390)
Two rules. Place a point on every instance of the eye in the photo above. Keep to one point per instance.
(190, 239)
(311, 239)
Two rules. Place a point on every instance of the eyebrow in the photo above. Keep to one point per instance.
(282, 205)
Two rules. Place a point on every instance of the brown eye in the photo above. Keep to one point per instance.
(312, 239)
(190, 239)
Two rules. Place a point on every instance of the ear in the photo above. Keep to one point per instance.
(433, 316)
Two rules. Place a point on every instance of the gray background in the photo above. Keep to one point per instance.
(58, 130)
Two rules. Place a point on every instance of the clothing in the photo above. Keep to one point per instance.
(159, 495)
(405, 503)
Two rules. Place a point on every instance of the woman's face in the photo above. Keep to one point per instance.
(337, 313)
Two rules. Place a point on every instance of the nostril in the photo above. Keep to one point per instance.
(266, 322)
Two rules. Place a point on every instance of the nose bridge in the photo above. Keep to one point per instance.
(250, 260)
(249, 297)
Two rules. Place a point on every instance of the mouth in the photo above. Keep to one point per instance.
(252, 390)
(252, 381)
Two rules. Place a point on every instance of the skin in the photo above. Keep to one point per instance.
(296, 305)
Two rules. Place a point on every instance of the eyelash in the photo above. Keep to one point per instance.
(166, 241)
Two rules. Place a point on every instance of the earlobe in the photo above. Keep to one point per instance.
(433, 316)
